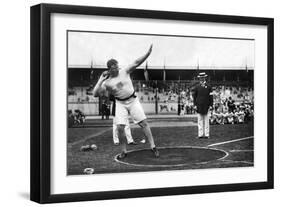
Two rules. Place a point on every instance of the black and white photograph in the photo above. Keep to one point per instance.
(129, 103)
(139, 102)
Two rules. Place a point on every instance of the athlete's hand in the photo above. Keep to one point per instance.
(104, 76)
(150, 48)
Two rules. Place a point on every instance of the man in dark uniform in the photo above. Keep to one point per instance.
(203, 100)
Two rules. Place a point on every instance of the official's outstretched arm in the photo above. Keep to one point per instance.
(139, 61)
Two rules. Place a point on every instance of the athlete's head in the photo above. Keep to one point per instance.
(113, 67)
(112, 63)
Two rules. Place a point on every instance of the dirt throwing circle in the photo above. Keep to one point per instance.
(172, 156)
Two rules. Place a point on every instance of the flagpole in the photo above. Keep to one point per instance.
(164, 70)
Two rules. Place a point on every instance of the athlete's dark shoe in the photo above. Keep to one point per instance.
(203, 137)
(132, 143)
(155, 152)
(122, 155)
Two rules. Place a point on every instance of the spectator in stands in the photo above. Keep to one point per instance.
(240, 115)
(105, 107)
(230, 104)
(79, 117)
(164, 106)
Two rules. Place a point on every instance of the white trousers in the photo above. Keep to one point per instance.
(127, 132)
(203, 125)
(131, 107)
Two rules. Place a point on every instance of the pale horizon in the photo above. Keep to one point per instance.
(86, 49)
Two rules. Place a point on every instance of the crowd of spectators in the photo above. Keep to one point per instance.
(231, 112)
(75, 117)
(232, 104)
(81, 95)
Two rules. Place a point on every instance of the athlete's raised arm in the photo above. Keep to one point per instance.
(139, 61)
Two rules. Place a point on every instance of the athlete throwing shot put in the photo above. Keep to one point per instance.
(118, 82)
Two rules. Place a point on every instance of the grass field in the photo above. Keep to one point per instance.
(228, 146)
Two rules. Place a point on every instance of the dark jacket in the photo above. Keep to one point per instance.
(112, 98)
(202, 98)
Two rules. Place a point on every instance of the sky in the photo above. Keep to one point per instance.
(87, 47)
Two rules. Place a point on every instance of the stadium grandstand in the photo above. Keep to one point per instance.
(162, 89)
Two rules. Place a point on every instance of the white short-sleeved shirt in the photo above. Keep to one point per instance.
(120, 86)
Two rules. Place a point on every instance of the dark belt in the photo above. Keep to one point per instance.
(125, 99)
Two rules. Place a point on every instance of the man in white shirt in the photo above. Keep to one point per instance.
(118, 82)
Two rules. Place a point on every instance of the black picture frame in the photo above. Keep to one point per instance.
(41, 102)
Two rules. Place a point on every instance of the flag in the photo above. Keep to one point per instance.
(146, 76)
(92, 71)
(92, 75)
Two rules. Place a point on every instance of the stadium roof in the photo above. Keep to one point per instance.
(97, 67)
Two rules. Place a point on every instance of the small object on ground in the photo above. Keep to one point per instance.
(94, 147)
(85, 148)
(88, 147)
(143, 141)
(89, 171)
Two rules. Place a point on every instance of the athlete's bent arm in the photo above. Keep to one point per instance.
(99, 86)
(139, 61)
